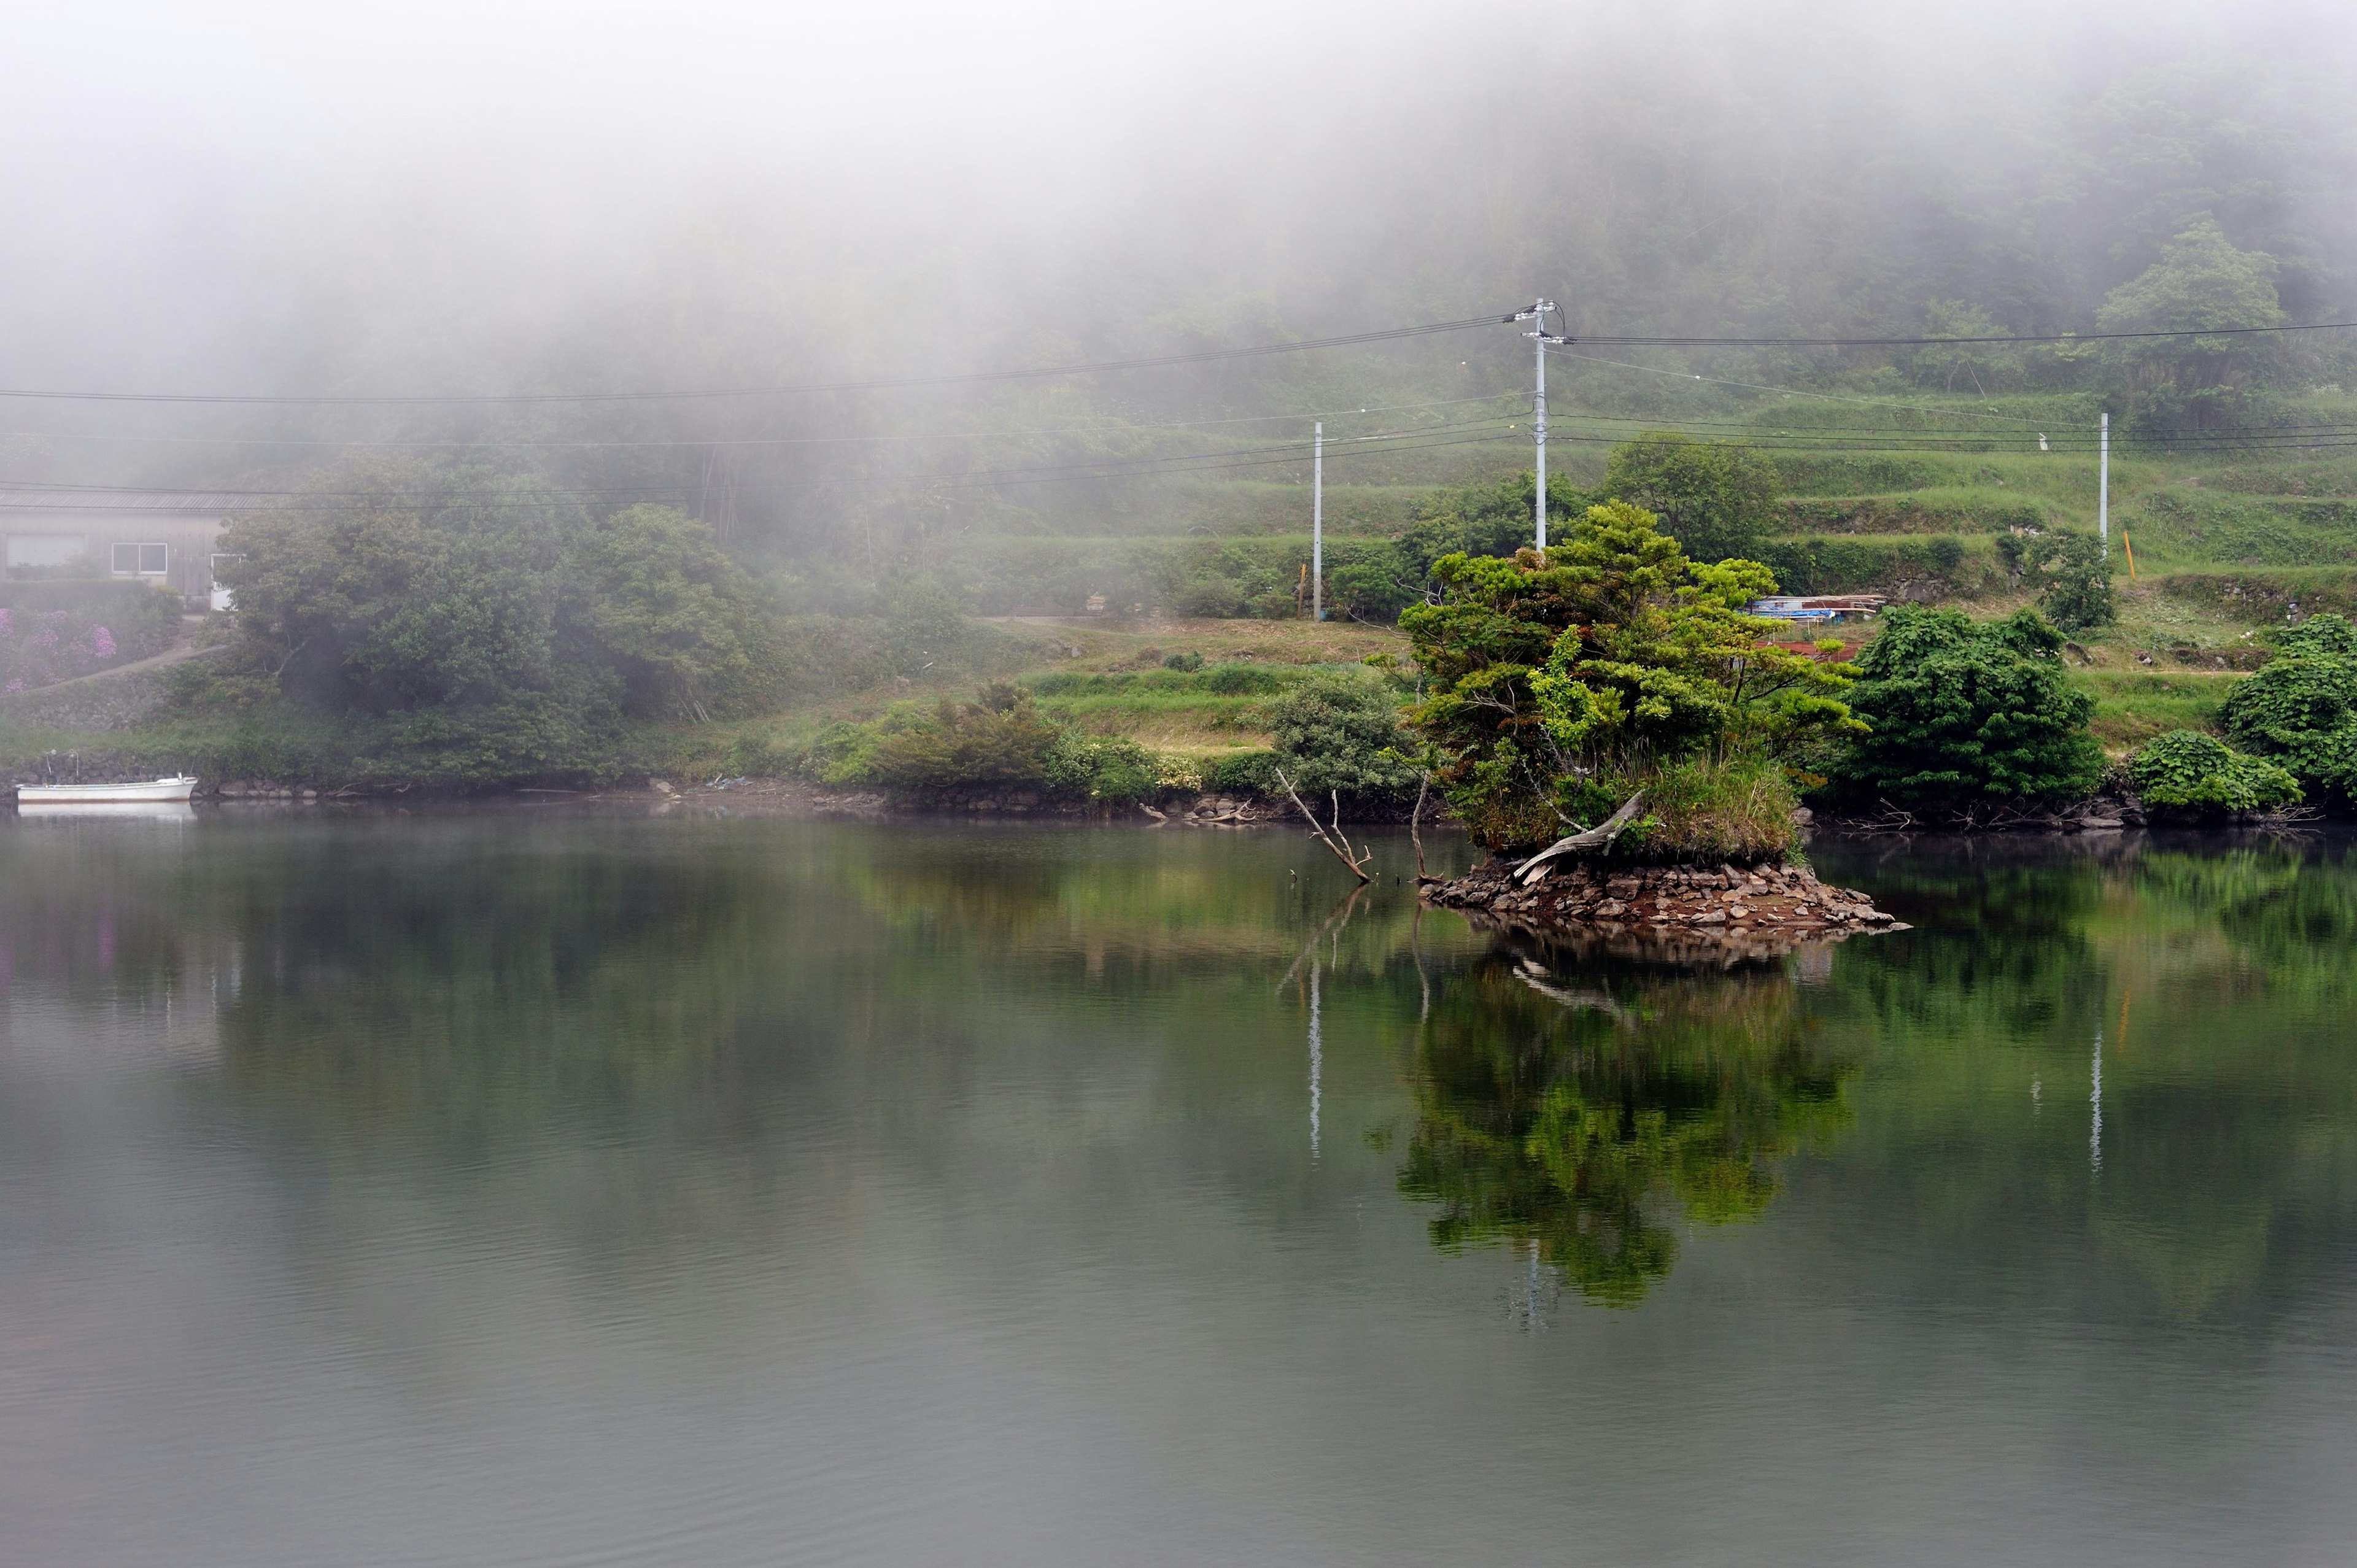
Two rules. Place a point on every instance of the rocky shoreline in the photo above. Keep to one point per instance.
(1767, 908)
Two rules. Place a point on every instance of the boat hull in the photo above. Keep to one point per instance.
(155, 791)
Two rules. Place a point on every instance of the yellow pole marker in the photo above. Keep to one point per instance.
(2131, 550)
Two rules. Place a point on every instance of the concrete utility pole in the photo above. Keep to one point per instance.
(1540, 341)
(1318, 522)
(2103, 489)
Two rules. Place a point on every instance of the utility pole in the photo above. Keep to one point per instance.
(1318, 522)
(1541, 340)
(2103, 487)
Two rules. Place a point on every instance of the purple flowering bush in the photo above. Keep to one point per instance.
(40, 647)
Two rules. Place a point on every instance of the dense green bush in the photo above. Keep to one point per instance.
(1185, 663)
(2300, 708)
(1243, 680)
(1879, 564)
(1962, 711)
(1341, 732)
(1718, 499)
(2072, 574)
(1243, 773)
(1109, 768)
(422, 594)
(2189, 771)
(999, 739)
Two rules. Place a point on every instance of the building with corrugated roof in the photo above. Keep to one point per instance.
(164, 538)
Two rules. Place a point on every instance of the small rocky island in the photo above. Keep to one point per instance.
(1763, 908)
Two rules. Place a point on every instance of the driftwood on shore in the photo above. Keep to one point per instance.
(1337, 840)
(1601, 836)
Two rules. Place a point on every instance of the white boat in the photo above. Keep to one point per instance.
(112, 810)
(175, 788)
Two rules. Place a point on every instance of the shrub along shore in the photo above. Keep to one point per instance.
(391, 640)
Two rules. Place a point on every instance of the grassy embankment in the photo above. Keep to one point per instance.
(2227, 544)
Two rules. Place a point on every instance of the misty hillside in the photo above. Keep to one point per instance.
(835, 209)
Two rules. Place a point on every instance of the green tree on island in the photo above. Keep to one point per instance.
(1586, 1119)
(1558, 686)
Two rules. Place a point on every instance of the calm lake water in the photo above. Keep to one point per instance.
(525, 1189)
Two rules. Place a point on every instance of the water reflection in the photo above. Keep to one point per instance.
(694, 1185)
(1583, 1113)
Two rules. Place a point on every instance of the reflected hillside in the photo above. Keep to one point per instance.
(1586, 1113)
(2136, 1049)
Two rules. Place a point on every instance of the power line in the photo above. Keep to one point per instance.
(1642, 341)
(460, 442)
(883, 383)
(1793, 391)
(972, 377)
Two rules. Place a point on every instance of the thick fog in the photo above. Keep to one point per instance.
(443, 197)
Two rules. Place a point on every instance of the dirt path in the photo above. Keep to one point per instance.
(172, 655)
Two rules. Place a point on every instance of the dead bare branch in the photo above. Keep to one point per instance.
(1358, 864)
(1598, 837)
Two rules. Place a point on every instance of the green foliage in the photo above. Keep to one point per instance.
(1960, 711)
(1588, 1135)
(2201, 281)
(999, 739)
(1486, 520)
(1341, 732)
(2300, 708)
(509, 637)
(679, 622)
(1107, 768)
(1376, 583)
(2187, 771)
(1718, 500)
(1242, 772)
(1613, 656)
(1185, 663)
(2076, 577)
(1701, 808)
(1880, 564)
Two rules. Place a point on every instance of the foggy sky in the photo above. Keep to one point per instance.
(447, 197)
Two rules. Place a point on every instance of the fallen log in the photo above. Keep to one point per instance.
(1601, 836)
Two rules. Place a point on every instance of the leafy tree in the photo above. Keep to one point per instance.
(1486, 520)
(1109, 768)
(2076, 576)
(2201, 281)
(677, 618)
(2189, 771)
(1375, 584)
(1341, 732)
(428, 593)
(1981, 365)
(1001, 737)
(1960, 711)
(2300, 707)
(1716, 499)
(1555, 685)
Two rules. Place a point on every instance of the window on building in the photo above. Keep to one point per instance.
(142, 560)
(45, 549)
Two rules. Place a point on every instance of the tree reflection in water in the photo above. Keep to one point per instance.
(1582, 1115)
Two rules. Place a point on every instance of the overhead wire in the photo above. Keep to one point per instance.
(878, 383)
(1200, 356)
